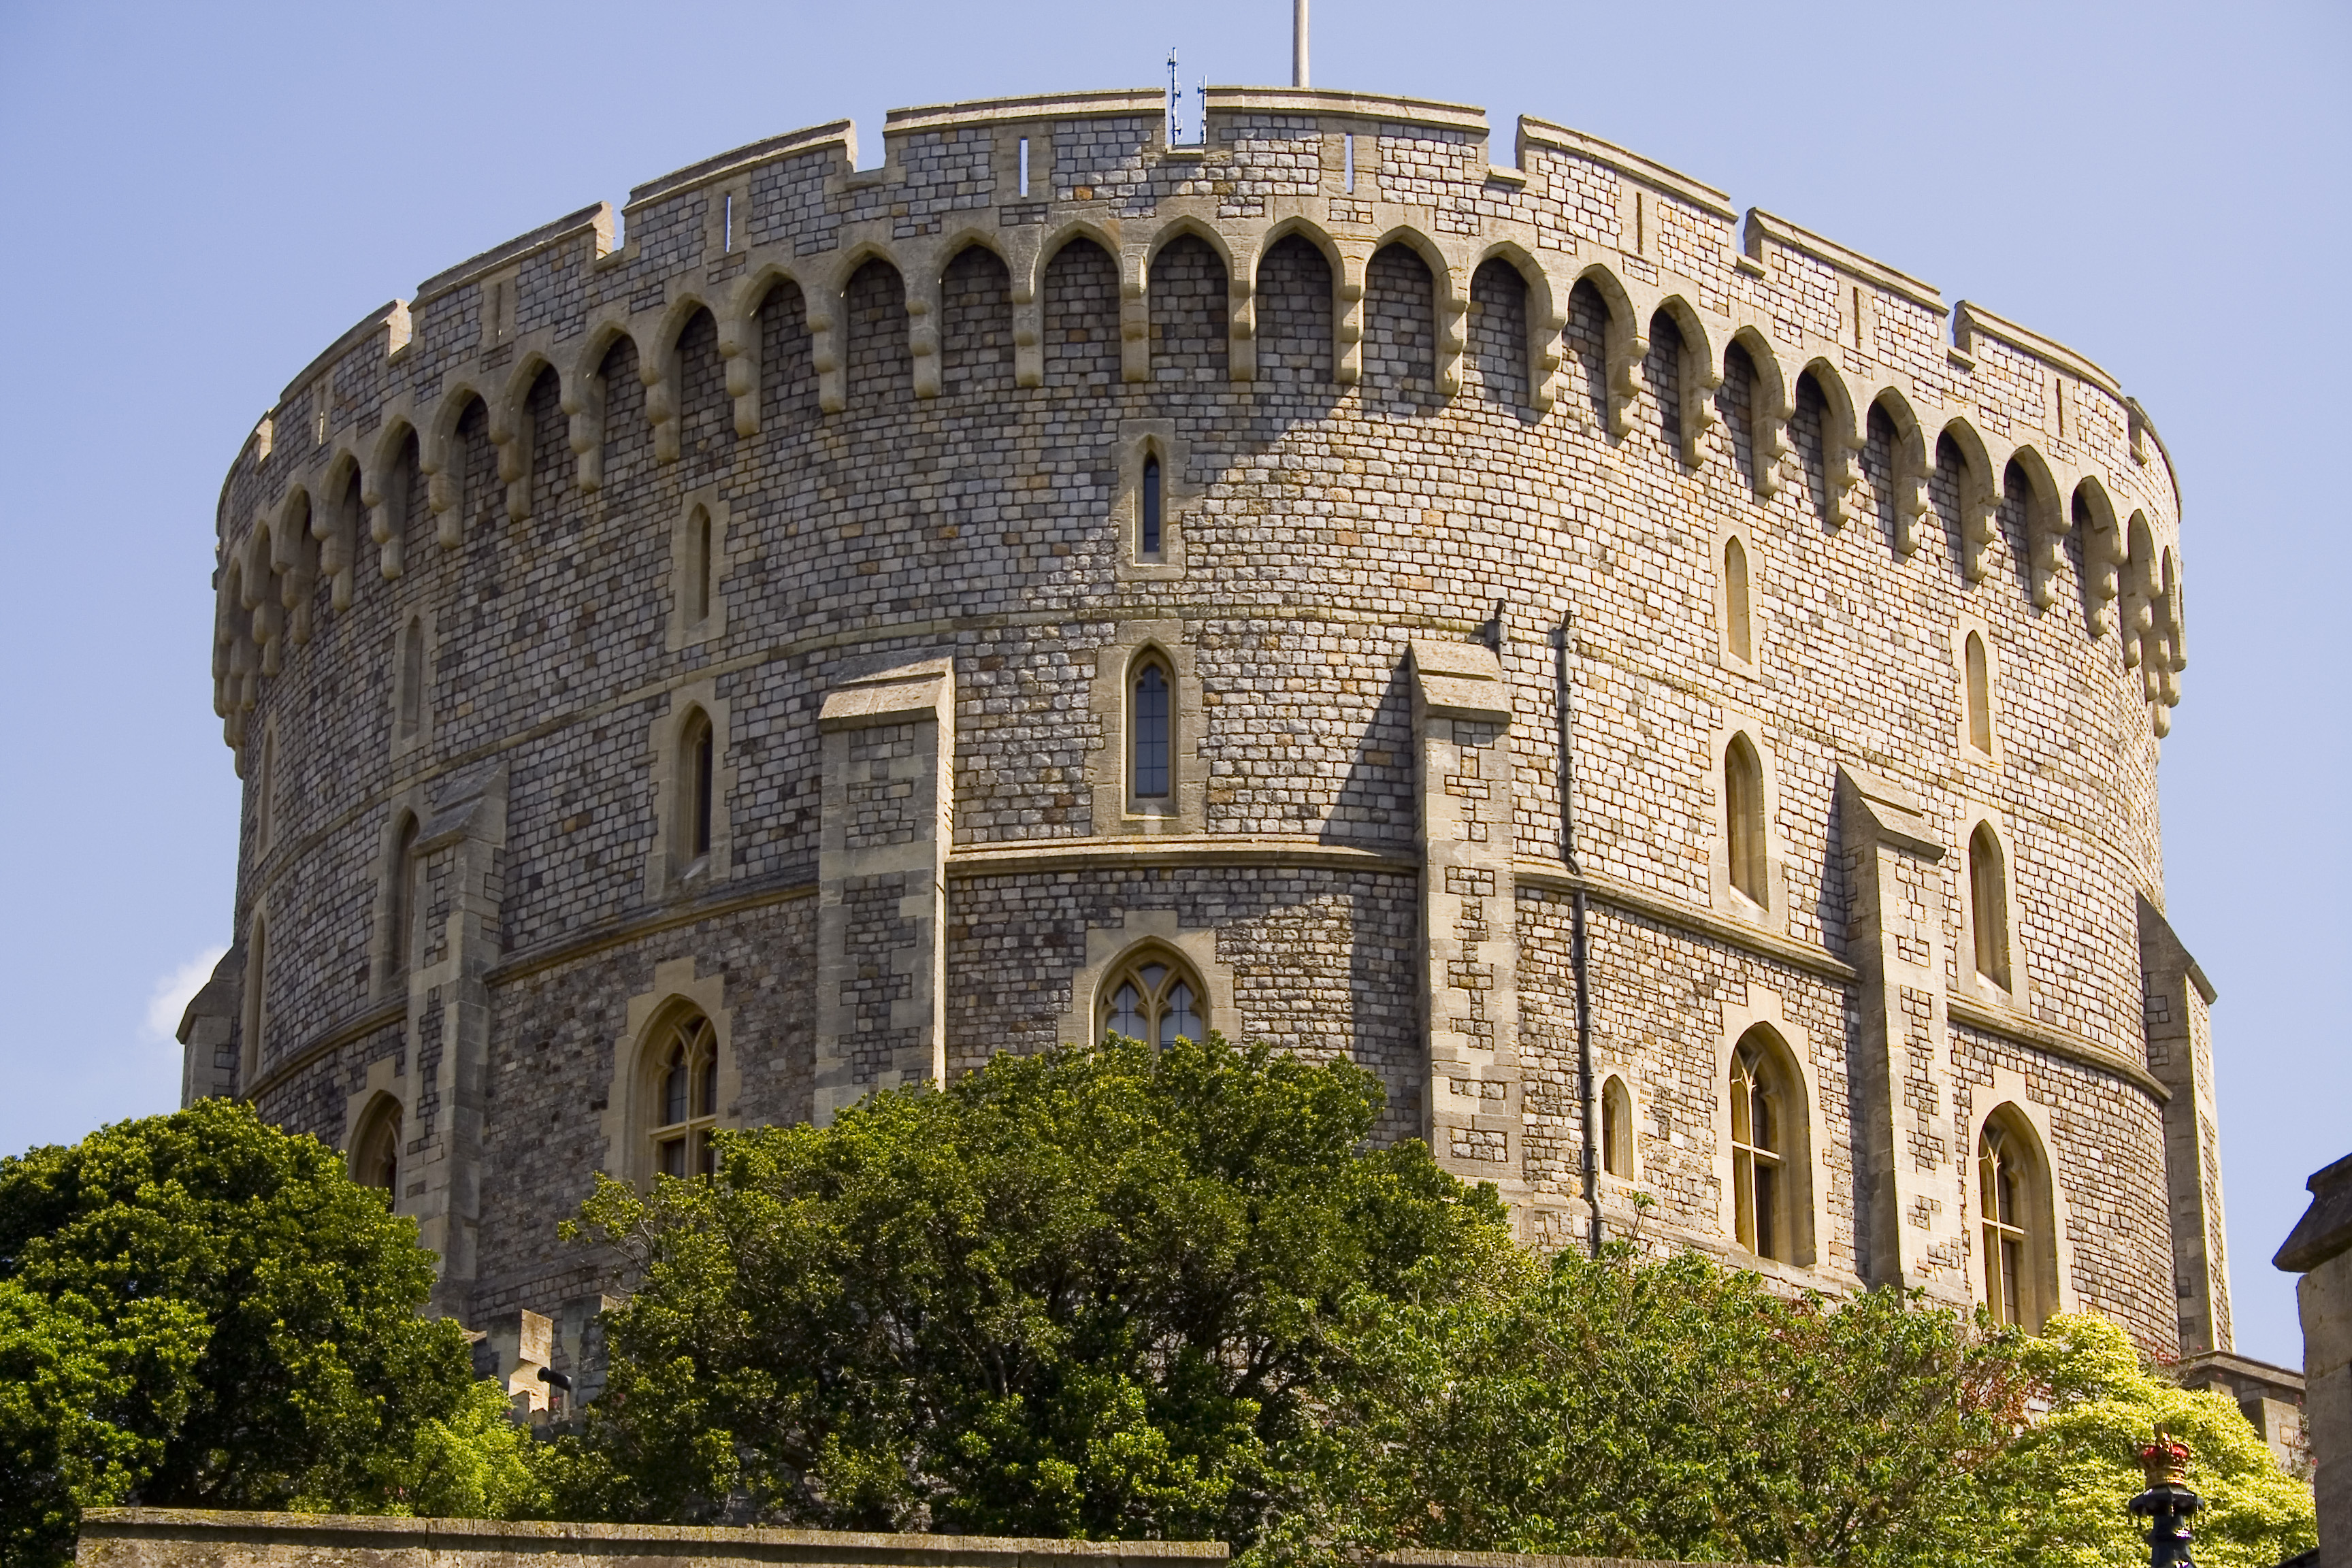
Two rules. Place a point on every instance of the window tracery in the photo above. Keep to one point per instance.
(685, 1096)
(1154, 998)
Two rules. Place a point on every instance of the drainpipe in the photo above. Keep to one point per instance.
(1589, 1106)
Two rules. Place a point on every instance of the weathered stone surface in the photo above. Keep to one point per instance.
(497, 555)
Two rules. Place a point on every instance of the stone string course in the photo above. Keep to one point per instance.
(1454, 405)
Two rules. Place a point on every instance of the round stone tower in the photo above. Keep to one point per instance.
(1060, 581)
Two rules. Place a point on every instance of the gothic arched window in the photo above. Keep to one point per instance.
(1151, 728)
(400, 901)
(1988, 905)
(1147, 534)
(1980, 694)
(2012, 1209)
(376, 1153)
(696, 760)
(1153, 996)
(1761, 1103)
(1616, 1128)
(684, 1096)
(1743, 815)
(1738, 637)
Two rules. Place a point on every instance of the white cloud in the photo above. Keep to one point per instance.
(174, 991)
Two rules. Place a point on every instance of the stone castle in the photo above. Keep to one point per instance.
(1671, 695)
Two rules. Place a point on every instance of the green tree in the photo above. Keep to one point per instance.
(202, 1311)
(1674, 1409)
(1096, 1292)
(2055, 1495)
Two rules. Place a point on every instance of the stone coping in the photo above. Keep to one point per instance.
(187, 1538)
(198, 1538)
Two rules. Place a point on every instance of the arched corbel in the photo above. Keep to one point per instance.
(1979, 498)
(336, 530)
(267, 615)
(582, 396)
(1700, 379)
(379, 493)
(657, 373)
(293, 560)
(1347, 314)
(1842, 441)
(923, 290)
(2045, 527)
(1629, 345)
(825, 307)
(1451, 287)
(1908, 457)
(442, 460)
(739, 356)
(1241, 320)
(1547, 321)
(2103, 556)
(2137, 622)
(1134, 316)
(1768, 411)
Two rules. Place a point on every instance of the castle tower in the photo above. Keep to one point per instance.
(1060, 582)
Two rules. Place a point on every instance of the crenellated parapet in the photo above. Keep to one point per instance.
(1872, 358)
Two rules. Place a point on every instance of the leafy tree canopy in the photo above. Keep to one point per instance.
(1095, 1292)
(200, 1311)
(1114, 1292)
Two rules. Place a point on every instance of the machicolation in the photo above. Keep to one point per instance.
(1060, 581)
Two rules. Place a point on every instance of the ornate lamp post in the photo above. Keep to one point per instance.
(2166, 1502)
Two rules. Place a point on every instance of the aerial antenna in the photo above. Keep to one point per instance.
(1298, 43)
(1175, 103)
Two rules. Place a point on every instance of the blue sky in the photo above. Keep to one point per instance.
(200, 197)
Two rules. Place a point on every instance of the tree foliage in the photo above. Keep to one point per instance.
(1113, 1292)
(200, 1311)
(1677, 1409)
(1092, 1293)
(2059, 1485)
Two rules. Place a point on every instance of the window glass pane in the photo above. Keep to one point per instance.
(1151, 541)
(706, 1102)
(1126, 1013)
(1178, 1020)
(706, 1156)
(674, 1088)
(1151, 732)
(671, 1157)
(1151, 975)
(1767, 1203)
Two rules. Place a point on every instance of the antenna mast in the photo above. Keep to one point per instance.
(1175, 103)
(1298, 43)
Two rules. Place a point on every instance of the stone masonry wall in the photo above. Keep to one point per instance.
(1451, 402)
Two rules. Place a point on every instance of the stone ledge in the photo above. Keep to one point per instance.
(194, 1538)
(2021, 1030)
(1174, 850)
(1620, 895)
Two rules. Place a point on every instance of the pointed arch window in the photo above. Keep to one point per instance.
(1155, 997)
(1152, 731)
(1980, 694)
(1988, 906)
(1147, 534)
(698, 569)
(685, 1096)
(1738, 637)
(1760, 1149)
(697, 762)
(400, 902)
(1617, 1128)
(412, 678)
(376, 1153)
(2012, 1211)
(1743, 811)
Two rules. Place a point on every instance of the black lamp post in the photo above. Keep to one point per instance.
(2167, 1503)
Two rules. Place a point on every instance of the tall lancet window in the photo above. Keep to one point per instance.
(1148, 542)
(1738, 639)
(1743, 813)
(1152, 727)
(1988, 906)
